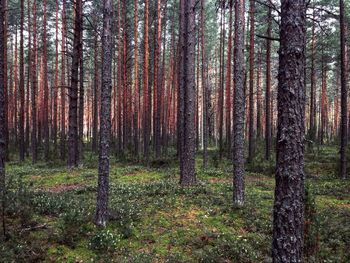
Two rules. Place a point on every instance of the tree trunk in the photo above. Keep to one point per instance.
(251, 82)
(268, 88)
(34, 88)
(205, 93)
(105, 124)
(81, 95)
(288, 223)
(239, 105)
(2, 115)
(55, 92)
(46, 90)
(146, 111)
(73, 152)
(21, 88)
(188, 87)
(136, 81)
(63, 84)
(157, 86)
(312, 128)
(258, 99)
(344, 93)
(95, 102)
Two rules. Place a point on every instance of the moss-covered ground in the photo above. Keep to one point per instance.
(50, 211)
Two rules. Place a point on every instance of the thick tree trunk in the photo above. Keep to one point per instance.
(251, 81)
(136, 81)
(6, 84)
(268, 88)
(73, 152)
(344, 93)
(81, 95)
(105, 124)
(288, 223)
(258, 99)
(188, 87)
(239, 105)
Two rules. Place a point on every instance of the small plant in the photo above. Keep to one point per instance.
(104, 240)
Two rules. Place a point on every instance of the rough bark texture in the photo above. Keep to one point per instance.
(55, 88)
(81, 94)
(344, 93)
(105, 123)
(239, 105)
(268, 89)
(251, 81)
(188, 87)
(288, 221)
(73, 153)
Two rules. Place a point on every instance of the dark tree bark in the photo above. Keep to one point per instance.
(268, 88)
(73, 151)
(63, 84)
(251, 81)
(46, 90)
(188, 87)
(239, 105)
(21, 88)
(105, 124)
(2, 115)
(29, 79)
(344, 93)
(136, 81)
(288, 222)
(34, 88)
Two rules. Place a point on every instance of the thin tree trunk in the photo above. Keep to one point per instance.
(105, 124)
(46, 90)
(95, 102)
(34, 88)
(288, 223)
(55, 92)
(73, 152)
(344, 93)
(21, 88)
(146, 111)
(239, 105)
(63, 84)
(268, 88)
(81, 95)
(251, 81)
(2, 115)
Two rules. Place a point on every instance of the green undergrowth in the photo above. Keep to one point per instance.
(153, 219)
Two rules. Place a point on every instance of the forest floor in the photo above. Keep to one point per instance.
(51, 209)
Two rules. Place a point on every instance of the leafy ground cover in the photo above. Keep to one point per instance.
(50, 212)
